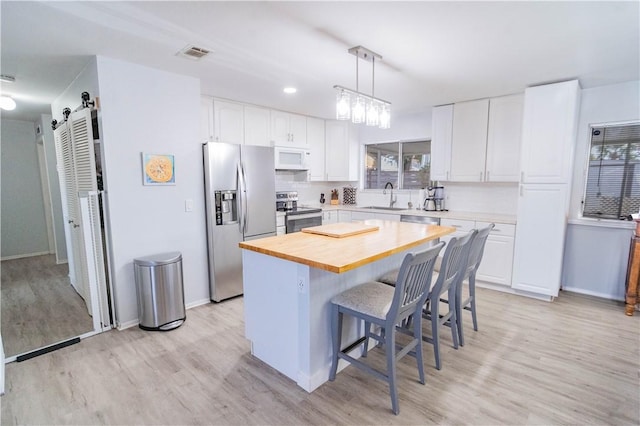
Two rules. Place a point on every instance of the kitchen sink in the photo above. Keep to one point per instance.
(384, 208)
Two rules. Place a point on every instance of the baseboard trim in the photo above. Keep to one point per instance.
(20, 256)
(197, 303)
(134, 323)
(592, 293)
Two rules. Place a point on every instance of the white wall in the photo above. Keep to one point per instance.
(595, 259)
(24, 229)
(147, 110)
(49, 144)
(86, 81)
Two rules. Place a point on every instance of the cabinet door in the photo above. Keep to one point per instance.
(549, 132)
(206, 118)
(344, 216)
(441, 133)
(280, 128)
(257, 125)
(462, 228)
(337, 150)
(469, 142)
(298, 130)
(504, 139)
(497, 260)
(330, 216)
(539, 243)
(357, 216)
(229, 122)
(315, 140)
(388, 216)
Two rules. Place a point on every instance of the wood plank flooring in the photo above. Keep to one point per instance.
(39, 305)
(573, 361)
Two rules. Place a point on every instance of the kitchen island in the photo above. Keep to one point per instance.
(289, 281)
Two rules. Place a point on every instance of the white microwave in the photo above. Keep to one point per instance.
(291, 158)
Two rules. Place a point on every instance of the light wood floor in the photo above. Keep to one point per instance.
(39, 305)
(573, 361)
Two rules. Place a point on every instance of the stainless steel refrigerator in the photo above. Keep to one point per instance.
(240, 206)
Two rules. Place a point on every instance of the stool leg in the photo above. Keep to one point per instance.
(336, 334)
(417, 335)
(367, 333)
(472, 293)
(390, 346)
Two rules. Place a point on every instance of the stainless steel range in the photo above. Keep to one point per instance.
(296, 217)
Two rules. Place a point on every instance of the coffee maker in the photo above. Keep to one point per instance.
(434, 202)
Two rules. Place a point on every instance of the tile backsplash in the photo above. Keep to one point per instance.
(469, 197)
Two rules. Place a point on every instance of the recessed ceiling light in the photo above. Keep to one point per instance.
(290, 90)
(7, 103)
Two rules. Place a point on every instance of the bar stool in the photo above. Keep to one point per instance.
(378, 304)
(475, 257)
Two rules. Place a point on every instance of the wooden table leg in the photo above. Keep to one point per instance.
(634, 274)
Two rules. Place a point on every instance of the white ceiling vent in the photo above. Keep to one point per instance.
(194, 52)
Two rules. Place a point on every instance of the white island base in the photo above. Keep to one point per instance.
(287, 312)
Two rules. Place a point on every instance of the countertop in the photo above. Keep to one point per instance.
(482, 217)
(343, 254)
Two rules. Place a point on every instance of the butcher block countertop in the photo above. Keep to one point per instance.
(343, 254)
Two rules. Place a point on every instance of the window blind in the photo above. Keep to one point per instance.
(613, 176)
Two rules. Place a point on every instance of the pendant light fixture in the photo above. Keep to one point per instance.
(358, 107)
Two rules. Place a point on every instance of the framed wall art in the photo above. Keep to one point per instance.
(158, 169)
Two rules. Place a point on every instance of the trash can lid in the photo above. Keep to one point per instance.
(159, 259)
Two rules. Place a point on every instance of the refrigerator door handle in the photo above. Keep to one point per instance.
(243, 199)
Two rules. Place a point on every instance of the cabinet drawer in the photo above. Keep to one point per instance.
(505, 229)
(460, 225)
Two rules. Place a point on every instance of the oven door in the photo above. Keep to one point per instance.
(296, 222)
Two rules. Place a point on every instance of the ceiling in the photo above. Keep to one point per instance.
(433, 52)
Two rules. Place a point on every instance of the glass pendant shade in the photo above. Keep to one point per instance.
(372, 114)
(343, 106)
(358, 111)
(385, 117)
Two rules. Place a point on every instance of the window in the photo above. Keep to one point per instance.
(405, 164)
(613, 176)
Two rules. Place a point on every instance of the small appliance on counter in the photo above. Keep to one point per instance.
(434, 202)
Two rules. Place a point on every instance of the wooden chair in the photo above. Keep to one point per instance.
(383, 306)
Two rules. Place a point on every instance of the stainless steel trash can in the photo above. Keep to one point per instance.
(160, 291)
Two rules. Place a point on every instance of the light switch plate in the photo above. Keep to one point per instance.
(188, 205)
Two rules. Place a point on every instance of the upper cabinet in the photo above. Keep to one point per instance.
(441, 134)
(504, 139)
(477, 141)
(288, 129)
(257, 126)
(548, 132)
(341, 151)
(469, 143)
(206, 118)
(228, 121)
(315, 140)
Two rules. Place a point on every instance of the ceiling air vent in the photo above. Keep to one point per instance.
(194, 52)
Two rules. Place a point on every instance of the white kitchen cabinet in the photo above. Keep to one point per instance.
(469, 141)
(344, 215)
(316, 143)
(206, 119)
(229, 121)
(341, 155)
(329, 216)
(504, 139)
(441, 137)
(549, 132)
(496, 265)
(288, 129)
(281, 227)
(539, 246)
(497, 261)
(257, 126)
(358, 216)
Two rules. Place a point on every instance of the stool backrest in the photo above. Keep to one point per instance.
(413, 283)
(454, 263)
(477, 249)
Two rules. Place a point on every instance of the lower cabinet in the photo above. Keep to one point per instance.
(497, 261)
(281, 228)
(330, 216)
(344, 216)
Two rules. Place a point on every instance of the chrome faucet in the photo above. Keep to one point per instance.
(392, 201)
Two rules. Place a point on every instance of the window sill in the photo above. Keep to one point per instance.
(603, 223)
